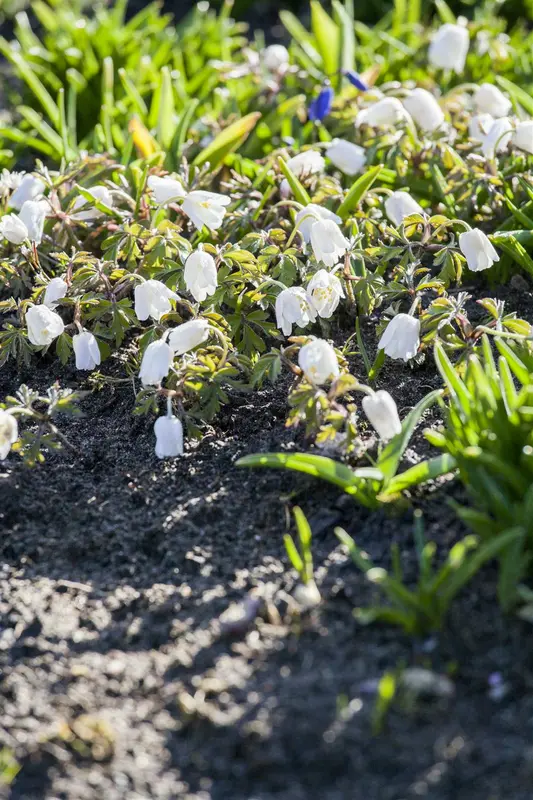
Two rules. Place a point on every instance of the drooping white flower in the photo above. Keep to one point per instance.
(478, 250)
(152, 299)
(156, 363)
(13, 229)
(388, 111)
(318, 361)
(293, 307)
(400, 205)
(200, 275)
(498, 137)
(30, 188)
(86, 350)
(55, 291)
(275, 57)
(205, 208)
(325, 291)
(188, 335)
(449, 48)
(306, 218)
(523, 136)
(424, 109)
(401, 337)
(8, 433)
(166, 190)
(309, 162)
(382, 413)
(44, 325)
(348, 157)
(488, 99)
(100, 193)
(328, 242)
(479, 126)
(32, 215)
(169, 437)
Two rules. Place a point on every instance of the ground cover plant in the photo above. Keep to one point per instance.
(193, 221)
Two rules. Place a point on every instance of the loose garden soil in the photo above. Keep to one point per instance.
(118, 679)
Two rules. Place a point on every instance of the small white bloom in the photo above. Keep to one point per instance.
(401, 337)
(13, 229)
(9, 181)
(55, 290)
(449, 48)
(388, 111)
(348, 157)
(488, 99)
(33, 214)
(424, 109)
(328, 242)
(169, 437)
(156, 363)
(478, 250)
(293, 307)
(307, 163)
(188, 335)
(381, 411)
(86, 350)
(479, 126)
(523, 136)
(30, 188)
(275, 57)
(44, 325)
(101, 194)
(498, 137)
(8, 433)
(318, 361)
(206, 208)
(166, 190)
(400, 205)
(152, 299)
(306, 218)
(200, 275)
(325, 291)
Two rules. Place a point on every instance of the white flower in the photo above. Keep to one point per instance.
(449, 48)
(200, 275)
(381, 410)
(348, 157)
(275, 57)
(166, 190)
(156, 363)
(325, 291)
(169, 437)
(401, 337)
(327, 241)
(479, 126)
(293, 307)
(205, 208)
(152, 299)
(478, 250)
(306, 218)
(86, 350)
(9, 181)
(13, 229)
(309, 162)
(388, 111)
(424, 109)
(55, 290)
(400, 205)
(488, 99)
(44, 325)
(523, 136)
(100, 193)
(498, 137)
(32, 215)
(318, 361)
(8, 433)
(30, 188)
(188, 336)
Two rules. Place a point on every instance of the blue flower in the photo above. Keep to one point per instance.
(321, 105)
(355, 80)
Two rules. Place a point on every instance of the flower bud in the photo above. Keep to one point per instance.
(424, 109)
(152, 299)
(13, 229)
(32, 214)
(328, 243)
(400, 205)
(523, 136)
(55, 291)
(44, 325)
(165, 190)
(449, 48)
(488, 99)
(401, 337)
(275, 57)
(86, 350)
(156, 363)
(205, 208)
(382, 413)
(320, 107)
(356, 80)
(169, 437)
(306, 218)
(8, 433)
(325, 291)
(318, 361)
(348, 157)
(188, 336)
(388, 111)
(200, 275)
(478, 250)
(293, 307)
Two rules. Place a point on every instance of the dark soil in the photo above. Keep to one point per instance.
(118, 680)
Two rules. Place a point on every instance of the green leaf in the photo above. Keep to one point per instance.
(294, 555)
(519, 95)
(358, 190)
(317, 466)
(420, 473)
(299, 192)
(229, 140)
(347, 57)
(510, 245)
(451, 378)
(327, 37)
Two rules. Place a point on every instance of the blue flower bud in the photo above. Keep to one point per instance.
(355, 80)
(321, 105)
